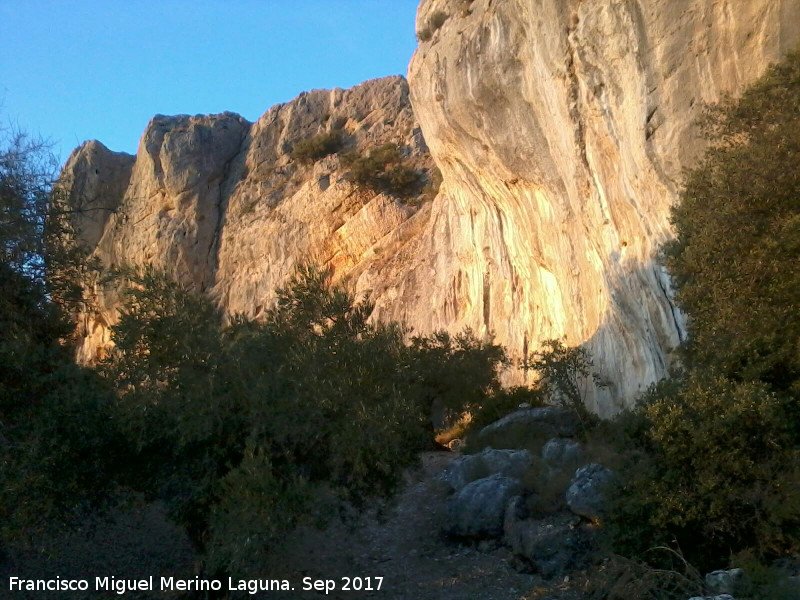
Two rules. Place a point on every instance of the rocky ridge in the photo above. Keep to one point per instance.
(221, 205)
(560, 128)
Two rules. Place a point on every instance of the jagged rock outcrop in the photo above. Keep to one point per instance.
(220, 204)
(561, 128)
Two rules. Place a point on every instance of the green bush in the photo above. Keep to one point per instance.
(437, 19)
(712, 466)
(565, 376)
(734, 262)
(458, 372)
(319, 146)
(383, 169)
(249, 426)
(713, 459)
(431, 188)
(56, 438)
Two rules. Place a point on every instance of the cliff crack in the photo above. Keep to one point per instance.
(574, 91)
(212, 255)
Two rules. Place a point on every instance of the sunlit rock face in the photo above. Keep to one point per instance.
(219, 204)
(561, 128)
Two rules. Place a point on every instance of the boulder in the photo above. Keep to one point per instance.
(586, 493)
(466, 469)
(516, 510)
(562, 453)
(523, 428)
(726, 581)
(553, 546)
(477, 509)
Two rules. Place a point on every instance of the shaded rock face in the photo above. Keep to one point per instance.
(561, 128)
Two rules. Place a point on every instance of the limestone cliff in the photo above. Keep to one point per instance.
(561, 128)
(221, 205)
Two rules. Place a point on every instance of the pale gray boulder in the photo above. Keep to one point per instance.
(466, 469)
(586, 495)
(724, 581)
(527, 427)
(562, 453)
(553, 546)
(477, 510)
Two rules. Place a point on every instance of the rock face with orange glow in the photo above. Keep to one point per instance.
(220, 204)
(561, 128)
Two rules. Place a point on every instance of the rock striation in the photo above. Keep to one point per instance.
(221, 205)
(561, 128)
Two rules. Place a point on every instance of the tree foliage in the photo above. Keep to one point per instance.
(565, 376)
(735, 259)
(56, 438)
(459, 372)
(251, 424)
(713, 457)
(712, 467)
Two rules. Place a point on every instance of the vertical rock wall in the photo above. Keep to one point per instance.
(561, 128)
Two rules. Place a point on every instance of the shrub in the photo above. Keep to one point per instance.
(456, 371)
(247, 427)
(734, 261)
(56, 438)
(565, 376)
(713, 460)
(431, 189)
(437, 19)
(321, 145)
(714, 468)
(382, 169)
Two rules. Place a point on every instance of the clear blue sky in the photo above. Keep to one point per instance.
(99, 69)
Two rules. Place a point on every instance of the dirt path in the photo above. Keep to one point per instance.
(406, 549)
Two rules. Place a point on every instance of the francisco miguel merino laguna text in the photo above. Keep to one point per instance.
(121, 586)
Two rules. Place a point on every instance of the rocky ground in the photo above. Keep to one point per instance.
(406, 548)
(477, 526)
